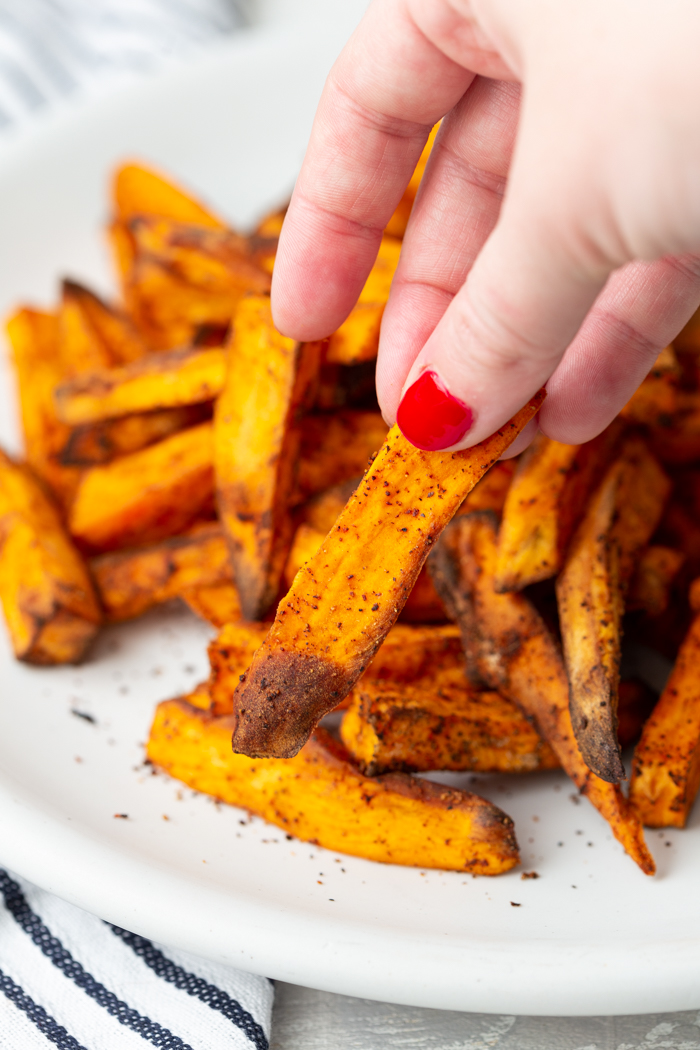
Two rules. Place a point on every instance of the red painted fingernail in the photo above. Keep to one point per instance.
(430, 417)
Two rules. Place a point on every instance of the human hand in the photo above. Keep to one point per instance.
(553, 240)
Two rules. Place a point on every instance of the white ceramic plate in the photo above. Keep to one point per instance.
(590, 936)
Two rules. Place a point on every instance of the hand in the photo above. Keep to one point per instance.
(554, 239)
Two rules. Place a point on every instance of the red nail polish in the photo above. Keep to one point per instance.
(430, 417)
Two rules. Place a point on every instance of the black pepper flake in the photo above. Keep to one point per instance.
(375, 607)
(515, 904)
(84, 715)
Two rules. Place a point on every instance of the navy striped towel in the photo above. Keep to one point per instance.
(75, 982)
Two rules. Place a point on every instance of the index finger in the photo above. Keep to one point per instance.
(389, 86)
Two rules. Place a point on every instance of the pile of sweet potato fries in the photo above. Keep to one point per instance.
(178, 446)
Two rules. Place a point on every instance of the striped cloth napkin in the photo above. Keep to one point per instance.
(54, 51)
(78, 983)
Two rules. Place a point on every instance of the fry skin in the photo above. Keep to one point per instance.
(509, 648)
(165, 380)
(256, 448)
(344, 601)
(618, 523)
(319, 797)
(666, 765)
(439, 724)
(130, 582)
(147, 496)
(47, 597)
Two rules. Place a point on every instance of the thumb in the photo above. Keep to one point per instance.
(505, 331)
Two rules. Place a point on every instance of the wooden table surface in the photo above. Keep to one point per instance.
(304, 1019)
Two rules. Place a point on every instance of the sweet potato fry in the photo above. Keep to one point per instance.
(50, 607)
(411, 651)
(357, 339)
(666, 766)
(337, 447)
(147, 496)
(213, 260)
(543, 505)
(347, 386)
(656, 399)
(138, 190)
(320, 797)
(256, 447)
(650, 586)
(509, 649)
(168, 311)
(94, 443)
(491, 492)
(230, 654)
(33, 337)
(218, 604)
(321, 511)
(93, 335)
(439, 724)
(164, 380)
(617, 525)
(132, 581)
(678, 441)
(345, 599)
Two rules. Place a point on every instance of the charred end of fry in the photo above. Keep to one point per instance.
(281, 699)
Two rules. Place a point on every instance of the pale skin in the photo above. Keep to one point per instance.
(556, 235)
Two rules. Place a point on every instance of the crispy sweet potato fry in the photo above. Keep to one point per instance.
(230, 654)
(678, 441)
(321, 511)
(439, 724)
(256, 447)
(411, 651)
(164, 380)
(147, 496)
(337, 447)
(345, 599)
(357, 339)
(94, 443)
(666, 767)
(132, 581)
(213, 260)
(650, 586)
(168, 311)
(50, 607)
(138, 190)
(218, 604)
(33, 339)
(543, 505)
(617, 525)
(509, 649)
(491, 492)
(93, 335)
(320, 797)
